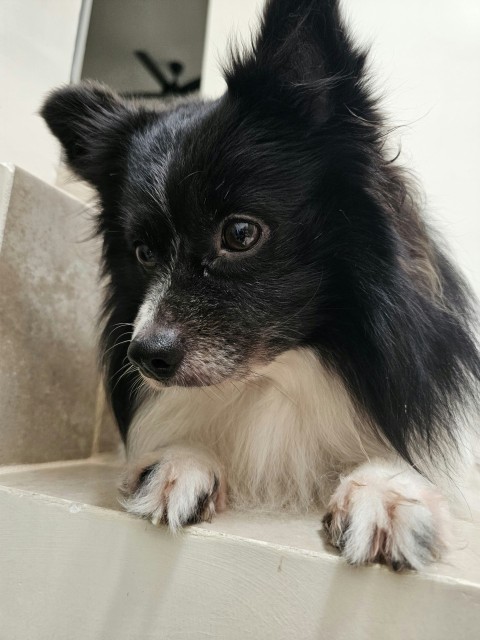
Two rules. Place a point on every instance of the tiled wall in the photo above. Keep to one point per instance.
(49, 298)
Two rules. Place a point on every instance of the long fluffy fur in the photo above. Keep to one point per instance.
(280, 433)
(365, 327)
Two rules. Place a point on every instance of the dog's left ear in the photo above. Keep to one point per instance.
(93, 125)
(302, 59)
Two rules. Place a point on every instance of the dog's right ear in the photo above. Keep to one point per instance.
(93, 125)
(302, 60)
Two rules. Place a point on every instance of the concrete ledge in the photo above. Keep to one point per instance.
(80, 568)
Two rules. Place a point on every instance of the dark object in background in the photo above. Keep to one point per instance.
(167, 87)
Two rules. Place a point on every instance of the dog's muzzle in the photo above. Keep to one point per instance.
(157, 354)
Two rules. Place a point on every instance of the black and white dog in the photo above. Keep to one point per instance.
(281, 330)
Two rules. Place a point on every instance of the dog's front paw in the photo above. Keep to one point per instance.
(382, 514)
(176, 485)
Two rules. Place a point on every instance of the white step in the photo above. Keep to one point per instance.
(74, 566)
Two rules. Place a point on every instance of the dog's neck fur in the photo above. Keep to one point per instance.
(280, 435)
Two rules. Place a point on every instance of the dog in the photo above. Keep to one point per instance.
(281, 329)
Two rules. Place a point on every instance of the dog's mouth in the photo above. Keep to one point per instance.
(209, 375)
(151, 383)
(188, 377)
(182, 382)
(162, 365)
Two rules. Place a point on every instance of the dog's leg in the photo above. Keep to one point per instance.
(387, 513)
(178, 485)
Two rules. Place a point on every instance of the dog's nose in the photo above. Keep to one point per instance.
(157, 355)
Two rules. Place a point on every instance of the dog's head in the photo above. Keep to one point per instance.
(236, 229)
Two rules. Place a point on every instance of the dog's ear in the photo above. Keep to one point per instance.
(302, 57)
(93, 125)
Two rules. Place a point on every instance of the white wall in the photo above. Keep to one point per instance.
(37, 44)
(226, 20)
(426, 55)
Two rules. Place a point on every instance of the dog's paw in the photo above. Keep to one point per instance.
(176, 485)
(382, 514)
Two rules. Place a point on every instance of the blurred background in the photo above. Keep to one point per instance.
(424, 55)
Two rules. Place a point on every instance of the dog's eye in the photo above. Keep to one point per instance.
(145, 256)
(240, 235)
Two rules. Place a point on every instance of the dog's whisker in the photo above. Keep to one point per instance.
(131, 370)
(120, 369)
(117, 344)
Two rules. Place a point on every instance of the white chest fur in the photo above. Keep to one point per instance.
(279, 435)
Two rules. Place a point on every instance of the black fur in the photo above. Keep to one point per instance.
(349, 267)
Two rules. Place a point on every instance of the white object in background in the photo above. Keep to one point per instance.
(227, 21)
(81, 40)
(37, 46)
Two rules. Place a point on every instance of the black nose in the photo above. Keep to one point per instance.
(157, 355)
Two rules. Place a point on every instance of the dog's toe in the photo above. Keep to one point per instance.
(377, 515)
(177, 489)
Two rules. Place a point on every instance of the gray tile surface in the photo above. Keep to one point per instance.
(49, 297)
